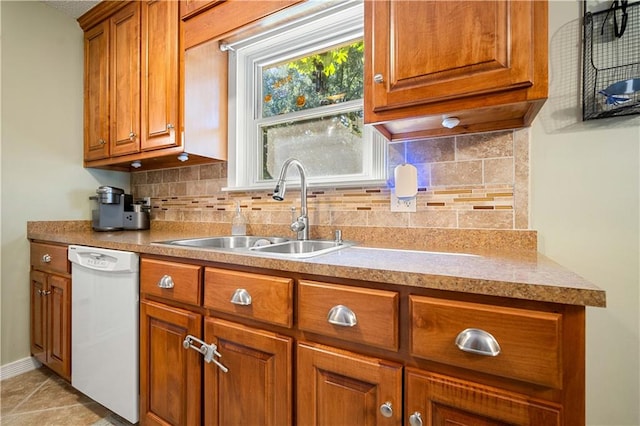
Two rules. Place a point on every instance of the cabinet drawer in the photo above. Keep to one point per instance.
(529, 341)
(49, 257)
(351, 313)
(260, 297)
(175, 281)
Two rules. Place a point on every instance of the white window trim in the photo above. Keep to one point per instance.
(340, 23)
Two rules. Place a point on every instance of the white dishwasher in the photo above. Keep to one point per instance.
(104, 327)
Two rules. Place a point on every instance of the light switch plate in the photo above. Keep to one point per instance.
(404, 205)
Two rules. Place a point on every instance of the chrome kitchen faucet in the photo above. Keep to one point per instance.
(300, 225)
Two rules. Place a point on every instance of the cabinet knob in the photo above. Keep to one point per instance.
(44, 292)
(342, 316)
(170, 126)
(241, 297)
(378, 78)
(477, 341)
(415, 419)
(386, 409)
(132, 136)
(166, 282)
(46, 258)
(101, 141)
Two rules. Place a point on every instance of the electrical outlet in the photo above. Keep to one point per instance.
(402, 205)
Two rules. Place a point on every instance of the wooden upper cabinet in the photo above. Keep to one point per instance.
(96, 92)
(429, 60)
(159, 72)
(124, 103)
(188, 8)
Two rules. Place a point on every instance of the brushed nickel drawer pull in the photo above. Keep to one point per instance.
(46, 258)
(166, 282)
(476, 341)
(241, 297)
(342, 316)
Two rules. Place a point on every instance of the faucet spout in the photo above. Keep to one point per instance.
(301, 225)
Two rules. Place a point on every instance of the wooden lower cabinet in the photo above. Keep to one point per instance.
(257, 388)
(51, 321)
(438, 400)
(336, 387)
(170, 375)
(50, 310)
(288, 364)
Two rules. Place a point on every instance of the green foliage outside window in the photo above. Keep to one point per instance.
(320, 79)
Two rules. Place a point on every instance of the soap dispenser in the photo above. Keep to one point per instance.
(239, 223)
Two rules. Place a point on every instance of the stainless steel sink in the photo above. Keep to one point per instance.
(226, 242)
(301, 248)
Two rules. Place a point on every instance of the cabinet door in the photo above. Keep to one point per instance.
(159, 74)
(125, 80)
(429, 51)
(438, 400)
(58, 296)
(342, 388)
(38, 316)
(257, 388)
(170, 375)
(96, 92)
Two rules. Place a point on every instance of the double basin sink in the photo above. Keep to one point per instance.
(270, 246)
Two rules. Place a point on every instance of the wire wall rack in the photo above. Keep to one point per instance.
(611, 62)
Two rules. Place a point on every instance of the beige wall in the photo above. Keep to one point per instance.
(42, 173)
(585, 190)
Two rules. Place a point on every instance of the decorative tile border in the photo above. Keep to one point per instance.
(469, 181)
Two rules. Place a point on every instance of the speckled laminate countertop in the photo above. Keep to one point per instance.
(519, 274)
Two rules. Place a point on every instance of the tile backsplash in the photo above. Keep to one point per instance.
(468, 181)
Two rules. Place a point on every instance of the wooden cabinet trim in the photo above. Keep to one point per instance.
(228, 16)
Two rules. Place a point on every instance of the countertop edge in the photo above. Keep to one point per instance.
(582, 293)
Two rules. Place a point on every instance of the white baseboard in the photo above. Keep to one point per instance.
(18, 367)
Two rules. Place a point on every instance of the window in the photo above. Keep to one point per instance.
(298, 93)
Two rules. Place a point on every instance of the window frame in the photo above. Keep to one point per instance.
(338, 24)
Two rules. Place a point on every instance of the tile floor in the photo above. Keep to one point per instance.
(41, 398)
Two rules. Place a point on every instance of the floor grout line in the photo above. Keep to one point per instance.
(30, 395)
(78, 404)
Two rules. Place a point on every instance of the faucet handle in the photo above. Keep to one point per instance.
(338, 236)
(294, 217)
